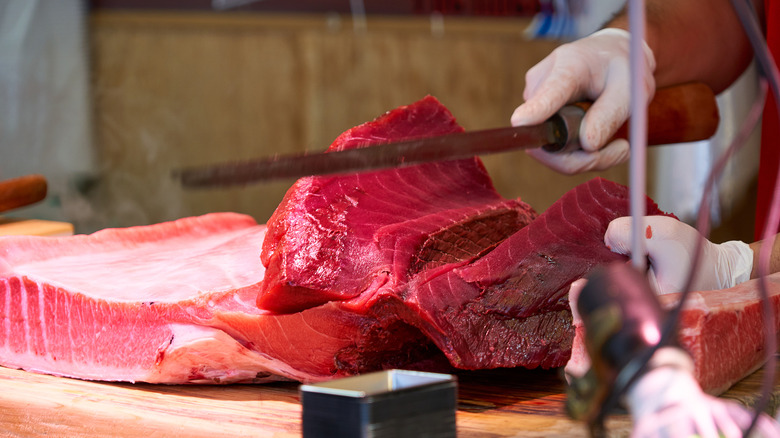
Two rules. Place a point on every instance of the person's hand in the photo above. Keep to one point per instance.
(579, 361)
(670, 245)
(668, 402)
(594, 68)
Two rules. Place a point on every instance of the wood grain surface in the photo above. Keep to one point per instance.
(497, 403)
(38, 227)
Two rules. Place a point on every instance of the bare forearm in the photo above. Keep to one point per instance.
(774, 257)
(694, 40)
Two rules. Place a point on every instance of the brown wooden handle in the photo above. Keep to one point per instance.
(678, 114)
(682, 114)
(22, 191)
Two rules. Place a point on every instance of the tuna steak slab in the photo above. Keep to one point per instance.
(437, 247)
(175, 303)
(335, 238)
(105, 306)
(723, 330)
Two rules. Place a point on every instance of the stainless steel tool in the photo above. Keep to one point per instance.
(389, 403)
(557, 134)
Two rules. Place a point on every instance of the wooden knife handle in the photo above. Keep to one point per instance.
(22, 191)
(678, 114)
(681, 114)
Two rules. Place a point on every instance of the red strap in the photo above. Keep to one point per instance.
(770, 130)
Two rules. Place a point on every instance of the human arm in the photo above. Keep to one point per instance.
(667, 401)
(671, 244)
(774, 256)
(699, 40)
(693, 40)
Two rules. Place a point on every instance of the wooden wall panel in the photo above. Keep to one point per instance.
(172, 90)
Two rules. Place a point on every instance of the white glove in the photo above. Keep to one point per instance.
(670, 246)
(668, 402)
(579, 362)
(595, 68)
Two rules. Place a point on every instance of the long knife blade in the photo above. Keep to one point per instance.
(552, 135)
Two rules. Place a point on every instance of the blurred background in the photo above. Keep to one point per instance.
(106, 97)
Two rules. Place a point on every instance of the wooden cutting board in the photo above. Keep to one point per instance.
(498, 403)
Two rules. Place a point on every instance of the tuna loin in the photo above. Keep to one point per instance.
(723, 331)
(509, 308)
(175, 303)
(334, 238)
(485, 298)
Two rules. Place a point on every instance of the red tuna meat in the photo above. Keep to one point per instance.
(509, 308)
(101, 306)
(723, 330)
(337, 237)
(175, 303)
(491, 294)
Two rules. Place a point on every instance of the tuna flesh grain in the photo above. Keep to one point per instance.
(723, 330)
(168, 303)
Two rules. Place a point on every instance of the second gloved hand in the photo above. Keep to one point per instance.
(668, 402)
(594, 68)
(670, 247)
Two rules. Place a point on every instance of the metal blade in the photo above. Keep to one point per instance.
(551, 135)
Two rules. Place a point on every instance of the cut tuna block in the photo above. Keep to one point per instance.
(175, 303)
(337, 237)
(510, 308)
(723, 330)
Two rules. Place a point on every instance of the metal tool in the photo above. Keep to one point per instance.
(557, 134)
(388, 403)
(677, 114)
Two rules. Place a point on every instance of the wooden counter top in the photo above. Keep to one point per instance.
(499, 403)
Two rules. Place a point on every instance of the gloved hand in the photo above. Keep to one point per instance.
(595, 68)
(579, 361)
(670, 246)
(668, 402)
